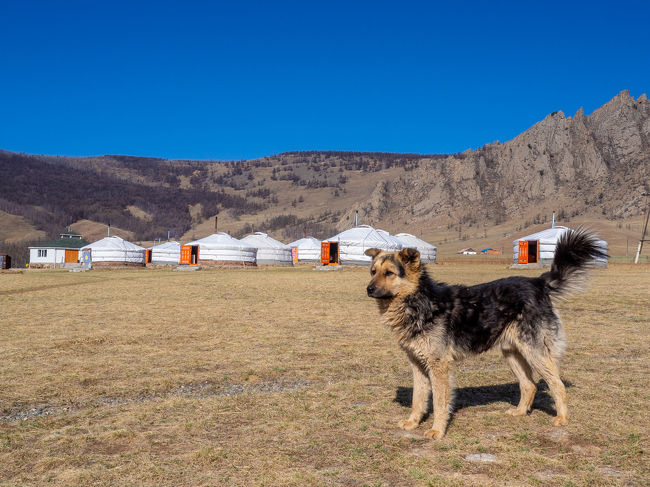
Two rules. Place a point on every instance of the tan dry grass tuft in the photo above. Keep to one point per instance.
(285, 377)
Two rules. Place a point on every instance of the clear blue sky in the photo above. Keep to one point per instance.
(243, 79)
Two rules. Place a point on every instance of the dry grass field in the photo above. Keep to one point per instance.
(284, 377)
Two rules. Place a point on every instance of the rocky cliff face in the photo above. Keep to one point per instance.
(596, 164)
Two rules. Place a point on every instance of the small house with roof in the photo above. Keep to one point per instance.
(64, 250)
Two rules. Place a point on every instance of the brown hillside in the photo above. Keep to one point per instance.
(14, 228)
(93, 231)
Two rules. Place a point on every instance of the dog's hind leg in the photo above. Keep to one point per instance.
(545, 365)
(420, 403)
(439, 376)
(524, 374)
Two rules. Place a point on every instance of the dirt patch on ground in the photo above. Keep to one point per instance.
(41, 288)
(199, 391)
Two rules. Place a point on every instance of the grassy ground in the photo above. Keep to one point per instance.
(285, 377)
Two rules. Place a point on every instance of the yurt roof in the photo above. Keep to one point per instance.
(306, 243)
(261, 240)
(113, 243)
(171, 245)
(367, 237)
(550, 235)
(409, 240)
(221, 240)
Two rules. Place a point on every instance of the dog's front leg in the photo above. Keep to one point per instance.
(420, 402)
(439, 376)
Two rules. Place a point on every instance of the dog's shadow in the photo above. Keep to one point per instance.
(465, 397)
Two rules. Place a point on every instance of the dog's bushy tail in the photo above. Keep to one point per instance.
(575, 253)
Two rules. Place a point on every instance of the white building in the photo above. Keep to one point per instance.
(64, 250)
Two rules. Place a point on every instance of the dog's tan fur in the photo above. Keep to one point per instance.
(395, 276)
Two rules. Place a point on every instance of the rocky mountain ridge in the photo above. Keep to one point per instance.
(581, 164)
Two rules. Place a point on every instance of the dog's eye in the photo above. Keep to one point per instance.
(389, 273)
(373, 272)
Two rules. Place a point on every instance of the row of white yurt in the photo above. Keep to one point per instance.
(354, 242)
(218, 248)
(350, 245)
(539, 248)
(221, 248)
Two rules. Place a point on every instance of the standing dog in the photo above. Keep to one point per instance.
(436, 324)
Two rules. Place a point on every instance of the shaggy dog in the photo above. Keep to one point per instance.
(437, 324)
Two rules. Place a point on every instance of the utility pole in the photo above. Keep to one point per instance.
(645, 228)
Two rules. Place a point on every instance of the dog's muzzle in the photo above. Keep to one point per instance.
(370, 289)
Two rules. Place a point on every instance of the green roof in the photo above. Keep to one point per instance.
(64, 243)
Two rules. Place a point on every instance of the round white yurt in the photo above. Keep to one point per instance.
(269, 250)
(222, 249)
(168, 253)
(427, 251)
(308, 249)
(539, 248)
(348, 247)
(115, 251)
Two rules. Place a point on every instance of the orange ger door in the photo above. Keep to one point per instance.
(523, 252)
(186, 255)
(325, 252)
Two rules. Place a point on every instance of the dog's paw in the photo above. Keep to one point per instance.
(434, 434)
(408, 424)
(516, 412)
(560, 421)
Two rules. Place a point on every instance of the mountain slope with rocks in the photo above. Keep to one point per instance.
(596, 164)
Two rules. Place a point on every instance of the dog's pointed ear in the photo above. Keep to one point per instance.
(372, 253)
(410, 256)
